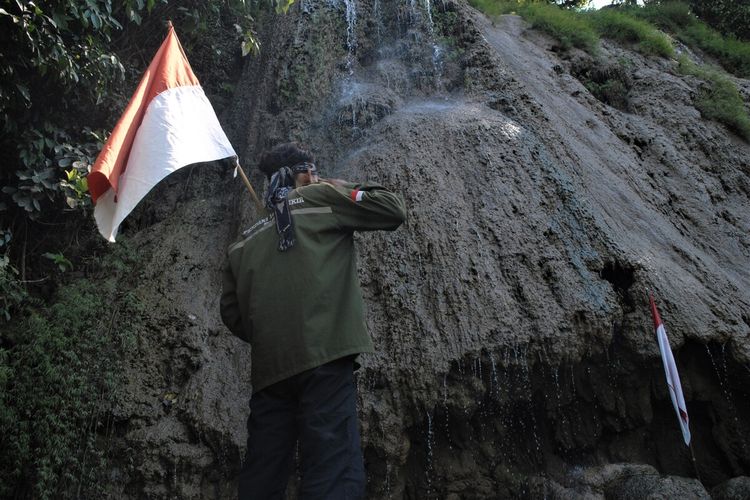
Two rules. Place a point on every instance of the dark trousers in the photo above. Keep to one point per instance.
(318, 408)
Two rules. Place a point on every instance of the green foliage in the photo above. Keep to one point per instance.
(200, 18)
(629, 24)
(60, 369)
(732, 54)
(77, 184)
(612, 92)
(494, 7)
(719, 100)
(677, 18)
(282, 6)
(59, 260)
(564, 4)
(609, 84)
(447, 28)
(56, 59)
(500, 7)
(669, 16)
(12, 293)
(45, 155)
(250, 43)
(623, 27)
(569, 27)
(728, 16)
(570, 4)
(67, 67)
(63, 41)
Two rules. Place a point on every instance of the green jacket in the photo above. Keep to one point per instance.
(302, 308)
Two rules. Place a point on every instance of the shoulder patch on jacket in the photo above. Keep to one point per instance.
(356, 195)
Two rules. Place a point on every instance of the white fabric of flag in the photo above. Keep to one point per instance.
(168, 124)
(670, 371)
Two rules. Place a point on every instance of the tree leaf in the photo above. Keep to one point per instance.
(24, 90)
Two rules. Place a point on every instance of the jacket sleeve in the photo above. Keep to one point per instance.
(229, 305)
(366, 207)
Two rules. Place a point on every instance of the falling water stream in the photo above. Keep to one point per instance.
(725, 389)
(429, 471)
(351, 34)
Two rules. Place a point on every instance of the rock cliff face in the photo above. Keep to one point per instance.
(516, 353)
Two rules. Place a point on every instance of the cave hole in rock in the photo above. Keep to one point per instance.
(621, 277)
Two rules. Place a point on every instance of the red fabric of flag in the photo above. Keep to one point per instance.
(168, 124)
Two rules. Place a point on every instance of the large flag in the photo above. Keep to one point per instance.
(168, 124)
(670, 370)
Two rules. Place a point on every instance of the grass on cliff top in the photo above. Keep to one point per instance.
(567, 26)
(494, 8)
(720, 100)
(676, 18)
(583, 29)
(625, 28)
(639, 26)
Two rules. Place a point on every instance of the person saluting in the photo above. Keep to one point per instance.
(290, 289)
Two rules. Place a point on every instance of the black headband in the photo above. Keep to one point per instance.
(303, 168)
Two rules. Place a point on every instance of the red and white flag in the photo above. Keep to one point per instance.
(670, 370)
(168, 124)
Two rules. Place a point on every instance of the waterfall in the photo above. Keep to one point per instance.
(351, 34)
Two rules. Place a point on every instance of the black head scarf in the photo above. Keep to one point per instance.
(276, 200)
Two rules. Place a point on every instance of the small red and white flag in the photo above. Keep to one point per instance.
(670, 370)
(168, 124)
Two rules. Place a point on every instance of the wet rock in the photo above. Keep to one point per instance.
(655, 487)
(362, 105)
(737, 488)
(626, 481)
(510, 312)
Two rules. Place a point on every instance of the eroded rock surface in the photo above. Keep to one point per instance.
(516, 354)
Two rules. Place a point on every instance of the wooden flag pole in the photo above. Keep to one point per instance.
(237, 165)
